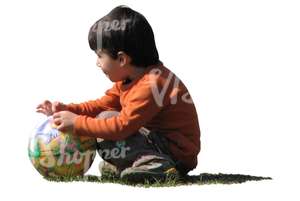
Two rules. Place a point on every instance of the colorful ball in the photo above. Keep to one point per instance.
(56, 153)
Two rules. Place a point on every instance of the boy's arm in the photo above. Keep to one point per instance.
(110, 101)
(140, 109)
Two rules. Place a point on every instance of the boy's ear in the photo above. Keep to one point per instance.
(123, 58)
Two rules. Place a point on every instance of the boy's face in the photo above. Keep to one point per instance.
(112, 68)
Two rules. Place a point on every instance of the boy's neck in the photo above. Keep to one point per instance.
(134, 73)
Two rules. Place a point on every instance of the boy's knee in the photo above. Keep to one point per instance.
(107, 114)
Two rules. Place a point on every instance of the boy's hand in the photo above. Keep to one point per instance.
(64, 120)
(49, 108)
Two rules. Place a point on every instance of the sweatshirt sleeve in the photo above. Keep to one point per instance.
(110, 101)
(139, 109)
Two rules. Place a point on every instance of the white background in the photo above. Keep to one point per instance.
(239, 59)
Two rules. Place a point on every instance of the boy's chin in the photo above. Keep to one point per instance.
(113, 79)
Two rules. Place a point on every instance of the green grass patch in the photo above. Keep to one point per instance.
(202, 179)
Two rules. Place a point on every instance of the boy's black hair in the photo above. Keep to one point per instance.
(124, 29)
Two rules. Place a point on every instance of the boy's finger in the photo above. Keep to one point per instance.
(40, 111)
(54, 106)
(41, 105)
(47, 107)
(56, 115)
(57, 122)
(47, 102)
(44, 112)
(61, 127)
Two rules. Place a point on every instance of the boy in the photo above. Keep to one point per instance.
(147, 127)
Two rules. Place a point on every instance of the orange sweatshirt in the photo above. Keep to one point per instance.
(157, 100)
